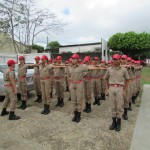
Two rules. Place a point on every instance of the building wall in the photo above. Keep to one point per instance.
(80, 49)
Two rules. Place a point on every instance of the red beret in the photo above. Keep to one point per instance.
(103, 61)
(88, 58)
(116, 56)
(59, 58)
(50, 60)
(96, 58)
(70, 59)
(37, 58)
(75, 56)
(21, 58)
(44, 57)
(10, 62)
(124, 56)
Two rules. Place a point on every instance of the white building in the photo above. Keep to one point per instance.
(81, 48)
(88, 47)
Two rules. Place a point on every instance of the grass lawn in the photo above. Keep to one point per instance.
(145, 76)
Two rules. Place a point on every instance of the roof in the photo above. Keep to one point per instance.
(86, 44)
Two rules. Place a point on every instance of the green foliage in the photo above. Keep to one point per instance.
(130, 43)
(145, 75)
(39, 48)
(54, 46)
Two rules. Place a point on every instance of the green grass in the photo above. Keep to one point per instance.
(145, 76)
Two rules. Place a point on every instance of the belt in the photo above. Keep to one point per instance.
(22, 77)
(7, 84)
(79, 81)
(116, 85)
(96, 77)
(60, 77)
(87, 78)
(102, 76)
(45, 78)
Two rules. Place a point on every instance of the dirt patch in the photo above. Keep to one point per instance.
(56, 131)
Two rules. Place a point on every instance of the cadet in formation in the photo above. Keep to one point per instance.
(10, 90)
(36, 81)
(117, 79)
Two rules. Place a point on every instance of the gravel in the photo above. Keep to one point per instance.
(56, 131)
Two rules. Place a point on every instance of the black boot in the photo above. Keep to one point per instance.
(125, 115)
(51, 95)
(98, 101)
(100, 97)
(47, 110)
(40, 99)
(69, 98)
(20, 107)
(24, 106)
(44, 110)
(133, 99)
(113, 125)
(130, 108)
(67, 89)
(61, 102)
(103, 96)
(75, 116)
(86, 106)
(12, 116)
(95, 102)
(4, 112)
(78, 117)
(118, 125)
(58, 102)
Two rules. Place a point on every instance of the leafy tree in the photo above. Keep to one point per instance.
(54, 46)
(39, 48)
(131, 43)
(25, 22)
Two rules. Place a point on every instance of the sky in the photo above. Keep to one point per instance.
(90, 20)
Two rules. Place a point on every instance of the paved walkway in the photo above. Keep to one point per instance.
(141, 137)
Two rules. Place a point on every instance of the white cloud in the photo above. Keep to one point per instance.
(89, 20)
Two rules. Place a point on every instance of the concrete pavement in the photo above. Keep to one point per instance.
(141, 136)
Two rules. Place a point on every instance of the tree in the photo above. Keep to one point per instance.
(54, 46)
(130, 43)
(25, 22)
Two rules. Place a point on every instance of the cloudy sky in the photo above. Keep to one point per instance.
(90, 20)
